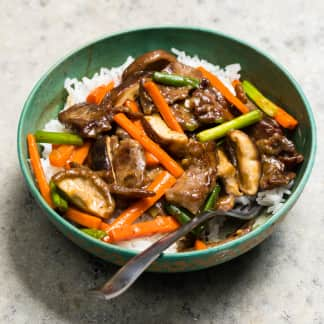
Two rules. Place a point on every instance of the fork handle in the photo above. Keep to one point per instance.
(127, 274)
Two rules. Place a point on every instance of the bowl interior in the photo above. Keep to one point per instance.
(48, 96)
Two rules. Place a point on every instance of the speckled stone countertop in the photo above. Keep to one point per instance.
(44, 276)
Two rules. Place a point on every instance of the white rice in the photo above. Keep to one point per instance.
(274, 198)
(78, 91)
(140, 244)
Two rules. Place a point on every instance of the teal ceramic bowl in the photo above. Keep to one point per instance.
(48, 97)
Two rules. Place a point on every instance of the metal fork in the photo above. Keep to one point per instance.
(128, 274)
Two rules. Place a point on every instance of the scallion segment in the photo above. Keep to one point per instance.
(211, 200)
(58, 138)
(98, 234)
(59, 202)
(236, 123)
(270, 108)
(175, 80)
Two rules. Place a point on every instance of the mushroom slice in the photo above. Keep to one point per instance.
(89, 120)
(128, 89)
(227, 172)
(158, 130)
(150, 61)
(225, 202)
(249, 164)
(86, 190)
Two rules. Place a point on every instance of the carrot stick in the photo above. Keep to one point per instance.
(151, 160)
(269, 107)
(216, 83)
(96, 95)
(59, 156)
(171, 165)
(162, 106)
(285, 119)
(83, 219)
(160, 185)
(79, 154)
(161, 224)
(38, 169)
(200, 245)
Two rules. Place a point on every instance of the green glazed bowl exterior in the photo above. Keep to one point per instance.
(48, 97)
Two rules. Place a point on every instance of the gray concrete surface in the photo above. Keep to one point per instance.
(44, 276)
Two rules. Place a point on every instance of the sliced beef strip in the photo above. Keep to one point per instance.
(107, 149)
(192, 188)
(208, 105)
(273, 173)
(184, 70)
(125, 192)
(282, 148)
(88, 120)
(275, 145)
(184, 117)
(265, 128)
(278, 154)
(174, 94)
(129, 164)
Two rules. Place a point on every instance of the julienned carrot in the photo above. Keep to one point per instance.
(59, 156)
(171, 165)
(159, 225)
(269, 107)
(79, 154)
(160, 185)
(151, 160)
(200, 245)
(83, 219)
(162, 106)
(96, 95)
(38, 169)
(224, 90)
(284, 119)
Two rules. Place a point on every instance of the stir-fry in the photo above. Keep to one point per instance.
(163, 141)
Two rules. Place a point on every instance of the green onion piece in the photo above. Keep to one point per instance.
(210, 203)
(98, 234)
(58, 138)
(175, 80)
(182, 217)
(254, 94)
(236, 123)
(59, 203)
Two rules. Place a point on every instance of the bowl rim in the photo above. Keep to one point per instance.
(183, 255)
